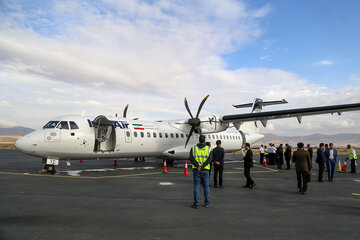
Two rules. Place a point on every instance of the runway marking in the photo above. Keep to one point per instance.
(356, 194)
(357, 180)
(79, 177)
(270, 169)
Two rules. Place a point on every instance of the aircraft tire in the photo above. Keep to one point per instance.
(50, 168)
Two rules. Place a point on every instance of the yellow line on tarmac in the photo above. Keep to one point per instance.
(269, 169)
(356, 194)
(357, 180)
(79, 177)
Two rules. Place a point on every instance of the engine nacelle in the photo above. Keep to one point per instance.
(212, 124)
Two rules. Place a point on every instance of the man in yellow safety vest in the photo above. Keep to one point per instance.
(352, 157)
(200, 157)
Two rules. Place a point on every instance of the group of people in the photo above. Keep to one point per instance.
(273, 155)
(202, 156)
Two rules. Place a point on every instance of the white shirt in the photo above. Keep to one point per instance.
(331, 157)
(261, 150)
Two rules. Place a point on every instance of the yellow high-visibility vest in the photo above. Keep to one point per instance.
(351, 156)
(201, 155)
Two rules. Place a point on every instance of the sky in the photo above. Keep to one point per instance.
(66, 57)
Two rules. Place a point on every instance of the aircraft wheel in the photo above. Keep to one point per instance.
(50, 168)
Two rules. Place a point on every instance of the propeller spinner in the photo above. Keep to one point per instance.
(194, 122)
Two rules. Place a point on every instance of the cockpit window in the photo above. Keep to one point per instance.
(63, 125)
(51, 124)
(73, 125)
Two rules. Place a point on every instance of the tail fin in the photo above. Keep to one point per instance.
(256, 106)
(258, 103)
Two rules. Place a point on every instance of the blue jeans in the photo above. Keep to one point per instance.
(331, 168)
(201, 176)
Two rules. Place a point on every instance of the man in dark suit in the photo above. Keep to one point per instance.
(280, 156)
(287, 155)
(303, 166)
(218, 159)
(310, 150)
(248, 163)
(321, 160)
(331, 157)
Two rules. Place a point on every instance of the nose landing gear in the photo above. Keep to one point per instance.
(49, 166)
(49, 169)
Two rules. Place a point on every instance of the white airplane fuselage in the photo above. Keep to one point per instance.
(123, 138)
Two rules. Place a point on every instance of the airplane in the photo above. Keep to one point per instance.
(75, 137)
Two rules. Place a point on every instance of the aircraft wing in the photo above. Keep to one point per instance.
(298, 113)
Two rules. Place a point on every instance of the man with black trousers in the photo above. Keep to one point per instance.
(248, 163)
(310, 150)
(218, 159)
(280, 156)
(321, 161)
(287, 155)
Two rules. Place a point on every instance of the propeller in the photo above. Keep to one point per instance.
(194, 122)
(125, 111)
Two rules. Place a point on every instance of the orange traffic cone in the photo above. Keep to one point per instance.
(164, 168)
(265, 162)
(186, 172)
(115, 163)
(339, 166)
(81, 160)
(344, 166)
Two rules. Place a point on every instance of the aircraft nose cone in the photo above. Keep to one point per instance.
(21, 145)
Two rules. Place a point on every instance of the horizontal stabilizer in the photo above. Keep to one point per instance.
(268, 103)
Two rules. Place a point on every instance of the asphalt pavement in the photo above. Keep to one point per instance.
(135, 200)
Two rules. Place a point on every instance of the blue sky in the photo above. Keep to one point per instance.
(64, 57)
(299, 33)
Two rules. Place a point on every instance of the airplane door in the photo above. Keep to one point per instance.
(128, 135)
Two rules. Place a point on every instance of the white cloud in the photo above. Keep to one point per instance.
(103, 56)
(323, 63)
(4, 103)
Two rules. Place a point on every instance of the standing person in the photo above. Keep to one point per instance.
(266, 154)
(321, 160)
(271, 151)
(326, 148)
(248, 163)
(310, 150)
(303, 166)
(200, 157)
(218, 159)
(280, 156)
(211, 163)
(352, 157)
(287, 155)
(261, 154)
(331, 157)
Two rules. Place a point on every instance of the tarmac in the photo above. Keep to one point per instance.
(135, 200)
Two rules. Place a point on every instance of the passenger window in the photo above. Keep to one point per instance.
(160, 135)
(171, 135)
(182, 135)
(142, 134)
(154, 134)
(166, 135)
(227, 137)
(127, 133)
(177, 135)
(63, 125)
(187, 135)
(220, 137)
(135, 134)
(51, 124)
(73, 125)
(148, 134)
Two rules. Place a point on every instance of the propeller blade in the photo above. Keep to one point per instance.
(125, 111)
(187, 108)
(201, 105)
(190, 133)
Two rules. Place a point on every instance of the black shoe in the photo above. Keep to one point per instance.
(303, 193)
(252, 185)
(246, 186)
(195, 206)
